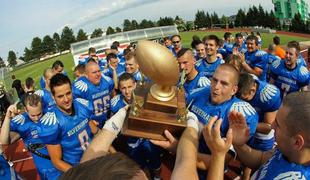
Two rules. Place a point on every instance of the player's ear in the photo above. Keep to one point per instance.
(299, 142)
(234, 90)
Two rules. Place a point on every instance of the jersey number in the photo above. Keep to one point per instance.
(285, 88)
(83, 138)
(101, 105)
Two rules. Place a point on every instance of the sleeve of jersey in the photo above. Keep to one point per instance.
(303, 76)
(271, 96)
(49, 130)
(115, 105)
(274, 68)
(110, 82)
(85, 104)
(260, 61)
(79, 89)
(16, 122)
(196, 93)
(42, 83)
(249, 113)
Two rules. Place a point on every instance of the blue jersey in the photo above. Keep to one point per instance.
(277, 167)
(122, 60)
(42, 82)
(242, 48)
(28, 131)
(228, 47)
(194, 85)
(72, 132)
(257, 59)
(101, 62)
(119, 71)
(6, 171)
(266, 99)
(301, 61)
(99, 96)
(223, 52)
(208, 69)
(47, 99)
(288, 80)
(270, 58)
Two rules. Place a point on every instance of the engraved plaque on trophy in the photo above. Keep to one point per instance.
(160, 105)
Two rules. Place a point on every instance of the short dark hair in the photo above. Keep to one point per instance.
(126, 76)
(238, 35)
(294, 44)
(176, 35)
(298, 115)
(113, 46)
(126, 51)
(29, 82)
(58, 80)
(246, 82)
(214, 38)
(116, 43)
(182, 52)
(166, 38)
(110, 167)
(32, 100)
(233, 69)
(276, 40)
(252, 38)
(110, 56)
(91, 50)
(80, 68)
(57, 64)
(227, 35)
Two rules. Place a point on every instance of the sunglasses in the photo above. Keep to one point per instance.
(174, 42)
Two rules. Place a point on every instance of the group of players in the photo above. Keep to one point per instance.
(235, 82)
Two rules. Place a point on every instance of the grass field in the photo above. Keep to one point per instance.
(36, 70)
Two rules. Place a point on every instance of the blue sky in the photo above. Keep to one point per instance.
(22, 20)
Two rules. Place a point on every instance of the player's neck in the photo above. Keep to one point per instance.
(291, 67)
(211, 59)
(192, 74)
(303, 157)
(67, 111)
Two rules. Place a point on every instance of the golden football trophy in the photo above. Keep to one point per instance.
(162, 106)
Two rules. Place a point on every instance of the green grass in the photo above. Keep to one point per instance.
(266, 37)
(36, 70)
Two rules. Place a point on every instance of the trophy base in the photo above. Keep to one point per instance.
(153, 119)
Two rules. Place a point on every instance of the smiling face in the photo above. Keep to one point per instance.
(223, 85)
(131, 65)
(201, 50)
(211, 47)
(176, 42)
(63, 97)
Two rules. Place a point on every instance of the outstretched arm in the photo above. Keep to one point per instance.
(5, 135)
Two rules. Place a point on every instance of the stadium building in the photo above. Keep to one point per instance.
(285, 10)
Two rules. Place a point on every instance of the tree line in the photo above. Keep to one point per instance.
(254, 16)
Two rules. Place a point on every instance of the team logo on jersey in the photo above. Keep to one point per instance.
(203, 82)
(49, 119)
(82, 101)
(260, 53)
(106, 78)
(39, 93)
(268, 92)
(276, 63)
(243, 107)
(304, 71)
(290, 175)
(198, 63)
(19, 119)
(81, 85)
(114, 100)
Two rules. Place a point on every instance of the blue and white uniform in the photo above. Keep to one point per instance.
(266, 99)
(228, 47)
(205, 110)
(208, 69)
(289, 80)
(99, 96)
(28, 131)
(194, 85)
(242, 48)
(119, 71)
(6, 171)
(223, 52)
(278, 168)
(72, 132)
(47, 99)
(141, 150)
(257, 59)
(270, 58)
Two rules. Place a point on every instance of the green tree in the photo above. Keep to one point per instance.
(262, 17)
(66, 38)
(36, 48)
(110, 30)
(27, 55)
(208, 20)
(56, 38)
(240, 18)
(146, 24)
(298, 25)
(166, 21)
(96, 33)
(118, 29)
(48, 45)
(81, 35)
(134, 25)
(127, 26)
(200, 19)
(12, 58)
(215, 18)
(190, 25)
(2, 64)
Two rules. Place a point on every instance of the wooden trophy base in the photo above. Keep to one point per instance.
(153, 119)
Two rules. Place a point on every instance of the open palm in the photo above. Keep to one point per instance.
(238, 125)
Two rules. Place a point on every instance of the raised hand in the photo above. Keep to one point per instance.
(212, 136)
(238, 125)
